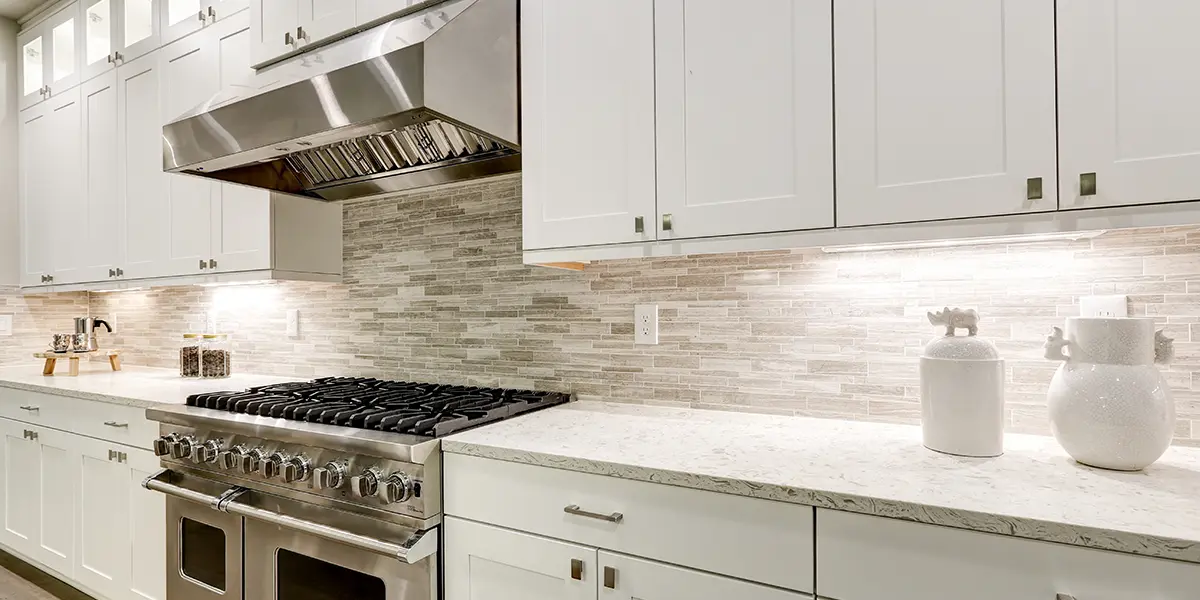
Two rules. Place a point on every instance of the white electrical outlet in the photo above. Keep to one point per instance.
(5, 325)
(1104, 306)
(645, 324)
(293, 322)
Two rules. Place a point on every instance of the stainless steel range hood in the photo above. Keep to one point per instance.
(428, 98)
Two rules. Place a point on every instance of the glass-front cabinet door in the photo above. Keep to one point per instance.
(181, 17)
(99, 36)
(32, 46)
(63, 36)
(139, 27)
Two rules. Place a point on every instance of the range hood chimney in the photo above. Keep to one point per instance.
(428, 98)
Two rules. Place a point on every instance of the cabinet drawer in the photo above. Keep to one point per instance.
(864, 558)
(115, 423)
(46, 410)
(757, 540)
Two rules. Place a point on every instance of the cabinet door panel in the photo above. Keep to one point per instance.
(588, 122)
(101, 196)
(1126, 115)
(139, 24)
(64, 35)
(273, 23)
(489, 563)
(99, 36)
(58, 474)
(22, 485)
(37, 214)
(181, 17)
(63, 162)
(33, 46)
(627, 578)
(744, 117)
(147, 529)
(104, 517)
(326, 18)
(945, 109)
(141, 182)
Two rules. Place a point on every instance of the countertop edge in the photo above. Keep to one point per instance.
(1033, 529)
(80, 394)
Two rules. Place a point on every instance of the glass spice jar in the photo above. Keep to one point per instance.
(215, 356)
(189, 355)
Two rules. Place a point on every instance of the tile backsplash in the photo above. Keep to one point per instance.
(35, 318)
(435, 291)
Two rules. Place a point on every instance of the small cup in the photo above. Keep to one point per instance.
(81, 342)
(62, 342)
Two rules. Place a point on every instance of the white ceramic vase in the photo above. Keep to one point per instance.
(1109, 405)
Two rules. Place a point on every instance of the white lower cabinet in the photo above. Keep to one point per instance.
(74, 506)
(483, 562)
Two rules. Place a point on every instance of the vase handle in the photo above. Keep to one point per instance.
(1164, 348)
(1056, 344)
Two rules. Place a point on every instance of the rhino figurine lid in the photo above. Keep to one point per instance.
(959, 347)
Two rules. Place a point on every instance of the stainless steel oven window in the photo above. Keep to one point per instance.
(202, 553)
(300, 577)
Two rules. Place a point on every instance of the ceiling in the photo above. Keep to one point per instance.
(15, 9)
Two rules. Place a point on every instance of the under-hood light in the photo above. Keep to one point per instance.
(1003, 239)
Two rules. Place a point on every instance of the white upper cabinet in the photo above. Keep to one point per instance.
(50, 56)
(587, 106)
(744, 116)
(34, 187)
(945, 109)
(181, 17)
(142, 228)
(1129, 129)
(99, 208)
(116, 31)
(284, 26)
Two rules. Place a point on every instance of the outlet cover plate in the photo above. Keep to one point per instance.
(1104, 306)
(645, 324)
(293, 322)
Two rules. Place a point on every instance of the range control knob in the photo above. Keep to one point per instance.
(366, 484)
(183, 447)
(208, 451)
(162, 446)
(272, 466)
(329, 477)
(252, 459)
(299, 468)
(398, 487)
(232, 458)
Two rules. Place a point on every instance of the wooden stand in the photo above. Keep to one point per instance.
(114, 360)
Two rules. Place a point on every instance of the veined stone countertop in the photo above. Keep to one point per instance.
(1033, 491)
(139, 387)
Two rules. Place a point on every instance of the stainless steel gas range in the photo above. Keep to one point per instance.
(314, 490)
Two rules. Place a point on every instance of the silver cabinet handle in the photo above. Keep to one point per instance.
(110, 59)
(1087, 184)
(117, 456)
(120, 272)
(117, 57)
(610, 578)
(50, 278)
(639, 224)
(202, 17)
(116, 424)
(666, 221)
(212, 14)
(1033, 188)
(48, 92)
(203, 264)
(112, 272)
(31, 435)
(419, 545)
(31, 408)
(579, 512)
(212, 264)
(287, 38)
(300, 35)
(576, 569)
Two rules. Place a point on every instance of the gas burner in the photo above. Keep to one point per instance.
(424, 409)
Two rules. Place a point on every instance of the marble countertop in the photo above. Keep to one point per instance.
(139, 387)
(1033, 491)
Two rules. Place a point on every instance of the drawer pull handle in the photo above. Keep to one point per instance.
(610, 578)
(576, 569)
(31, 408)
(579, 512)
(116, 424)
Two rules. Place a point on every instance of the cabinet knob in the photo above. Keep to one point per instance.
(610, 578)
(666, 221)
(576, 569)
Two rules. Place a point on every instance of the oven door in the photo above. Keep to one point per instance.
(204, 546)
(293, 550)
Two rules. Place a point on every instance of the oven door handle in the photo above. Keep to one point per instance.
(419, 546)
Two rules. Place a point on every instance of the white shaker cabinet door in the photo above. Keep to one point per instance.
(628, 578)
(1129, 128)
(103, 556)
(488, 563)
(57, 473)
(274, 25)
(101, 210)
(323, 19)
(945, 109)
(241, 215)
(587, 106)
(36, 208)
(744, 116)
(64, 158)
(20, 475)
(145, 218)
(147, 529)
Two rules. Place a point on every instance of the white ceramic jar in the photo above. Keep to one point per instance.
(962, 390)
(1109, 405)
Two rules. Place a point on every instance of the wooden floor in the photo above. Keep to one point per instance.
(20, 581)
